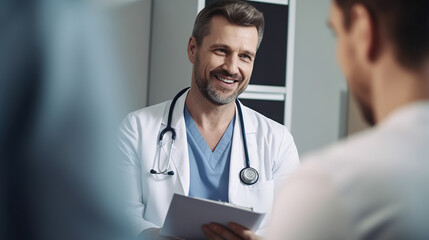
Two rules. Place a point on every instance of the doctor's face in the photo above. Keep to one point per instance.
(223, 63)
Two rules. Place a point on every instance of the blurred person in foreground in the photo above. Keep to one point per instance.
(58, 121)
(372, 185)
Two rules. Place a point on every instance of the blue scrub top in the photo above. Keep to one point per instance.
(209, 170)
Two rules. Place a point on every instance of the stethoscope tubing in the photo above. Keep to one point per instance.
(243, 132)
(170, 116)
(247, 175)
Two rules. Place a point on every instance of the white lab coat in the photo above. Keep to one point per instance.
(272, 152)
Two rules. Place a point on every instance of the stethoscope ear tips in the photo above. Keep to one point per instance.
(152, 171)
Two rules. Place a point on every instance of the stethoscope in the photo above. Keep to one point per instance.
(248, 175)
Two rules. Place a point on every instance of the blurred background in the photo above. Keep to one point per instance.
(71, 69)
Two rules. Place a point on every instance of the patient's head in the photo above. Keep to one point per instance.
(372, 32)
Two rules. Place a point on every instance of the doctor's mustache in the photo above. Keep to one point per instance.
(224, 73)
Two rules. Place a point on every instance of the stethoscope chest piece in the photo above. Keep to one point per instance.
(249, 175)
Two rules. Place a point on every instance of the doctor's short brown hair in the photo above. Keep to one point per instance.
(406, 23)
(236, 12)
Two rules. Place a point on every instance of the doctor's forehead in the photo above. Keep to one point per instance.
(224, 32)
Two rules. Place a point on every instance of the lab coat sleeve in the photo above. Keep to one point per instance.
(131, 172)
(308, 207)
(286, 161)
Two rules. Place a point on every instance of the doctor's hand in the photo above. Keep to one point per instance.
(234, 231)
(153, 233)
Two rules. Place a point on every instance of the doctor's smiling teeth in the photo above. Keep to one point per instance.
(225, 80)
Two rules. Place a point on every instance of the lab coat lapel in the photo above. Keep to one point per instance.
(179, 151)
(238, 159)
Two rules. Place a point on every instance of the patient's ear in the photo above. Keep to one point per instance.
(365, 34)
(192, 49)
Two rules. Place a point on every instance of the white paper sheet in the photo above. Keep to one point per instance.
(186, 216)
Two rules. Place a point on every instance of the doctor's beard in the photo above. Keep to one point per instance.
(208, 90)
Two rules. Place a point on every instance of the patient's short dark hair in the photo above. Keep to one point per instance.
(405, 21)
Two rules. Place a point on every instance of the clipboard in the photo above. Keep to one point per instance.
(186, 215)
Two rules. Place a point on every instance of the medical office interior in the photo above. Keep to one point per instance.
(296, 79)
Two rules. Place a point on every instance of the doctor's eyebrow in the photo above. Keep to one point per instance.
(252, 54)
(215, 46)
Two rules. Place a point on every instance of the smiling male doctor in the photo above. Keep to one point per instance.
(208, 153)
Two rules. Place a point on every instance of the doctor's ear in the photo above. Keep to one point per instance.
(192, 49)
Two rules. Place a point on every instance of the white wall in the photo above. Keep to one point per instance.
(133, 19)
(319, 101)
(170, 70)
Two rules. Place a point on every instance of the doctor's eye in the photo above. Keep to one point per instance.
(220, 51)
(246, 57)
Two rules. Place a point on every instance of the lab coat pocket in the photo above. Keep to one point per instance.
(260, 198)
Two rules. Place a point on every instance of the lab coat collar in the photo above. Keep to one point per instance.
(238, 160)
(248, 124)
(177, 118)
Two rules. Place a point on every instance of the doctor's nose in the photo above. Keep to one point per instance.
(231, 65)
